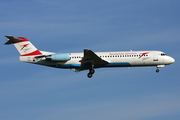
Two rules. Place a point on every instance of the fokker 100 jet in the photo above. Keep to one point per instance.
(88, 60)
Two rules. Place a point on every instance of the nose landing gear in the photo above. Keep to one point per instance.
(157, 70)
(159, 66)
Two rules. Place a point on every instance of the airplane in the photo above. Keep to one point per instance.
(88, 60)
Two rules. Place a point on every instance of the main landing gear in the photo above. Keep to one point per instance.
(91, 72)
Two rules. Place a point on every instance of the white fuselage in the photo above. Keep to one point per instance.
(114, 59)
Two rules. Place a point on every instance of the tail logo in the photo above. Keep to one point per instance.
(23, 46)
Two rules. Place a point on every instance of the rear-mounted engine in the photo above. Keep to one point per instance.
(59, 57)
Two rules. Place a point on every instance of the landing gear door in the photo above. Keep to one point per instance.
(155, 57)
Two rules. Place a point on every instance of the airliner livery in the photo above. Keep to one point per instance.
(88, 60)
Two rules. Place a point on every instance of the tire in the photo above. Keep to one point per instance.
(89, 75)
(92, 71)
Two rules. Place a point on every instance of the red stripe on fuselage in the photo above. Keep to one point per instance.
(143, 54)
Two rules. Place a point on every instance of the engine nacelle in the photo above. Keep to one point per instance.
(59, 57)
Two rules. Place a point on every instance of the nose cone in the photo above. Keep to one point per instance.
(172, 60)
(169, 60)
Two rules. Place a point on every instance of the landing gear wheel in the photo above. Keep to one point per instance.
(89, 75)
(92, 71)
(157, 70)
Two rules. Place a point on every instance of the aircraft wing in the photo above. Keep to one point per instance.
(90, 59)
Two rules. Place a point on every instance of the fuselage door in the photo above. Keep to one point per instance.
(155, 57)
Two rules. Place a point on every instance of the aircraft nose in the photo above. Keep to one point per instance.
(172, 60)
(169, 60)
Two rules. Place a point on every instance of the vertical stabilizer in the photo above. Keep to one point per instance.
(23, 45)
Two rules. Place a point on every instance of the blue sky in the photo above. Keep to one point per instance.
(32, 92)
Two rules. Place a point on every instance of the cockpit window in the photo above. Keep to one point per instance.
(163, 54)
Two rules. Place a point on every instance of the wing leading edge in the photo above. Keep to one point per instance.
(90, 59)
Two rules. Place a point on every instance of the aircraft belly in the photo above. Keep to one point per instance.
(118, 64)
(68, 64)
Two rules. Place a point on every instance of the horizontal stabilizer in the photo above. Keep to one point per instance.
(12, 40)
